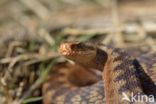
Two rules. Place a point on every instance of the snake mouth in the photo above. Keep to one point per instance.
(77, 48)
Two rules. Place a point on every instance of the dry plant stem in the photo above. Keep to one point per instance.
(38, 82)
(41, 10)
(11, 47)
(31, 89)
(46, 36)
(76, 31)
(108, 39)
(27, 57)
(141, 32)
(116, 23)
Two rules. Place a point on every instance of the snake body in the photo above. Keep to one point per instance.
(121, 73)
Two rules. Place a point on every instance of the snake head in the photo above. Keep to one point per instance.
(82, 53)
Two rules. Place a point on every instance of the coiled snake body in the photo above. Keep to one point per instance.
(121, 74)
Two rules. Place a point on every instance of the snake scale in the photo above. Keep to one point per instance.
(121, 74)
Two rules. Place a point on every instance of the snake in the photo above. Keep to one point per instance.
(122, 76)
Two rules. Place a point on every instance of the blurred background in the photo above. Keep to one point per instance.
(32, 30)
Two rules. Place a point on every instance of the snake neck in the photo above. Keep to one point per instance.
(120, 77)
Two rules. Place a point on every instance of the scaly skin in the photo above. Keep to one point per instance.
(64, 78)
(121, 73)
(148, 61)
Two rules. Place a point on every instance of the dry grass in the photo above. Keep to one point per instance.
(31, 31)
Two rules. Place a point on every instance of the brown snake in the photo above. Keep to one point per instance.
(121, 74)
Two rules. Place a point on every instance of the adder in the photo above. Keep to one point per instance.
(122, 75)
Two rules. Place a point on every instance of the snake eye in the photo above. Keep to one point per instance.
(77, 47)
(81, 47)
